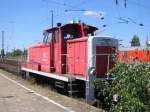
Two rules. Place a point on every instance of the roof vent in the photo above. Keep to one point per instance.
(58, 24)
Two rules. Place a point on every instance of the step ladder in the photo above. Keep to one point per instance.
(59, 84)
(73, 88)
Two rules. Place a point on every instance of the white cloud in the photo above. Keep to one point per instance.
(94, 13)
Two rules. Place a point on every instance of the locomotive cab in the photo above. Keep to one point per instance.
(58, 37)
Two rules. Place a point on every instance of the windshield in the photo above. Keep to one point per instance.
(47, 37)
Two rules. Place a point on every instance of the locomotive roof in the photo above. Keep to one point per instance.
(51, 29)
(90, 28)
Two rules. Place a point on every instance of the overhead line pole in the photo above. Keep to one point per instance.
(2, 51)
(52, 15)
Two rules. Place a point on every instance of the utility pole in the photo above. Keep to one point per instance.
(52, 17)
(2, 51)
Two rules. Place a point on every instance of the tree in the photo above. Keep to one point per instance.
(129, 91)
(2, 53)
(17, 52)
(135, 41)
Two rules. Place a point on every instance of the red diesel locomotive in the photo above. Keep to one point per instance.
(72, 54)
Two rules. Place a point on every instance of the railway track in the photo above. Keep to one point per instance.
(12, 66)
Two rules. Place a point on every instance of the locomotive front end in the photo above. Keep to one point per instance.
(100, 60)
(100, 54)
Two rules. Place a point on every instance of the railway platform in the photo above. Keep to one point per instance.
(17, 97)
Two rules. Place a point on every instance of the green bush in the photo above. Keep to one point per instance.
(102, 90)
(132, 83)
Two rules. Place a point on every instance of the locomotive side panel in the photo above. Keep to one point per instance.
(83, 58)
(33, 61)
(77, 57)
(45, 58)
(38, 58)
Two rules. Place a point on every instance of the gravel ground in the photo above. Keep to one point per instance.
(73, 104)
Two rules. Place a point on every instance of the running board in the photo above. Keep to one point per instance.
(62, 77)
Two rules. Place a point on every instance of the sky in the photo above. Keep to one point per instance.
(24, 20)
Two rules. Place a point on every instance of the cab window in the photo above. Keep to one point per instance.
(47, 37)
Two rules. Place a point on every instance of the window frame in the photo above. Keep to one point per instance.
(47, 37)
(56, 36)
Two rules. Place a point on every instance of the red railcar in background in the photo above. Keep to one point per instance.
(134, 54)
(70, 54)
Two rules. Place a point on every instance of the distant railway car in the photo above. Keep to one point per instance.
(72, 54)
(134, 54)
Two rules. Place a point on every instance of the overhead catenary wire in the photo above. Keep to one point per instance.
(79, 4)
(133, 2)
(125, 3)
(71, 7)
(77, 10)
(61, 3)
(120, 18)
(132, 20)
(128, 19)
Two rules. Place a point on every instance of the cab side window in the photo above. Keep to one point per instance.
(44, 39)
(49, 36)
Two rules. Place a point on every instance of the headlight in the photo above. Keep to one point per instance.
(92, 71)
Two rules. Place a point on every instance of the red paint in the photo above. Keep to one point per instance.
(136, 55)
(77, 58)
